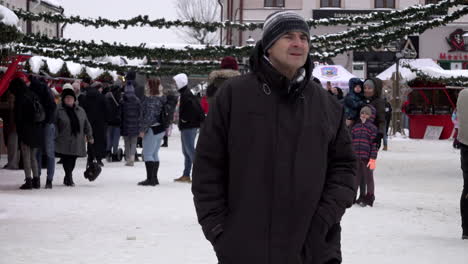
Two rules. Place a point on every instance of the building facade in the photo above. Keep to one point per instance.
(52, 30)
(437, 43)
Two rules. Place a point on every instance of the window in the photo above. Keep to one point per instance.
(384, 3)
(330, 3)
(274, 3)
(432, 1)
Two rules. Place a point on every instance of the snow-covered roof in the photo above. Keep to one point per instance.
(405, 72)
(54, 65)
(336, 74)
(441, 73)
(9, 18)
(56, 3)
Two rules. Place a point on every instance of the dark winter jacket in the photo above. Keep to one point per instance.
(65, 142)
(215, 80)
(172, 101)
(130, 115)
(354, 102)
(379, 104)
(46, 98)
(191, 114)
(113, 103)
(95, 105)
(364, 135)
(29, 132)
(151, 111)
(274, 170)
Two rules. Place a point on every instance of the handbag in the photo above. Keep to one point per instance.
(92, 169)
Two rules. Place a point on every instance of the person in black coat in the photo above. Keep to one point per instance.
(129, 125)
(113, 97)
(29, 131)
(172, 100)
(48, 128)
(191, 116)
(94, 103)
(274, 168)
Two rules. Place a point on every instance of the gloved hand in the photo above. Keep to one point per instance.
(371, 164)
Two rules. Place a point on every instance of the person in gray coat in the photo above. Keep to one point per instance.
(73, 130)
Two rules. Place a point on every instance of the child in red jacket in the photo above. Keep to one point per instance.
(363, 134)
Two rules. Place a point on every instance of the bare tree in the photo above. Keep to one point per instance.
(200, 11)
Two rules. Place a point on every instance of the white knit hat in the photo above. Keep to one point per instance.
(67, 86)
(181, 80)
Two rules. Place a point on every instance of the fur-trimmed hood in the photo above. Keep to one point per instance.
(222, 74)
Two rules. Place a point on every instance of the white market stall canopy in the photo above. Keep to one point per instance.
(406, 73)
(336, 74)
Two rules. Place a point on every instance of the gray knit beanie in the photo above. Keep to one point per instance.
(280, 23)
(369, 83)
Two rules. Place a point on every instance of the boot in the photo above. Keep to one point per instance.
(27, 184)
(68, 180)
(183, 179)
(48, 184)
(36, 182)
(149, 173)
(164, 145)
(385, 148)
(369, 199)
(109, 156)
(360, 200)
(154, 179)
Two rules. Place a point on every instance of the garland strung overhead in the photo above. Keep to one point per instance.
(140, 21)
(9, 34)
(81, 49)
(420, 15)
(378, 39)
(73, 50)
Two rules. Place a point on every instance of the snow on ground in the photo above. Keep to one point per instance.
(415, 218)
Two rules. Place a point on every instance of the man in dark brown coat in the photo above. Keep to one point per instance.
(274, 169)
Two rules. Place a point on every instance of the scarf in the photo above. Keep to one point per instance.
(74, 123)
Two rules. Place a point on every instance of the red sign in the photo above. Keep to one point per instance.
(456, 56)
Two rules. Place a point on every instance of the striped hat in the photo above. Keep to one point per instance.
(280, 23)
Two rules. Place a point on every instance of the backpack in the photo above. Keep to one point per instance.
(39, 113)
(164, 120)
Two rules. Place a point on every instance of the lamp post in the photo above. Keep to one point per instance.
(396, 105)
(250, 42)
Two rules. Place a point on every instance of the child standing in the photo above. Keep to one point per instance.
(353, 101)
(363, 134)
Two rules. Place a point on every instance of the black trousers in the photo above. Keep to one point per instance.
(464, 196)
(68, 164)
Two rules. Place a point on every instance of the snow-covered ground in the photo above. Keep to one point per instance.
(415, 218)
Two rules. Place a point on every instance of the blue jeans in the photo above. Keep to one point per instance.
(188, 148)
(49, 149)
(151, 145)
(113, 137)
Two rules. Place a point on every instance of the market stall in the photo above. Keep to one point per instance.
(431, 105)
(428, 104)
(337, 75)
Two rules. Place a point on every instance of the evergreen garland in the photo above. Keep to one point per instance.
(140, 20)
(9, 34)
(424, 78)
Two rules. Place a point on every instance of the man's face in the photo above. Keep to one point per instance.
(290, 51)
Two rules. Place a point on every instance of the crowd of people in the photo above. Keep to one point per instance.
(88, 119)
